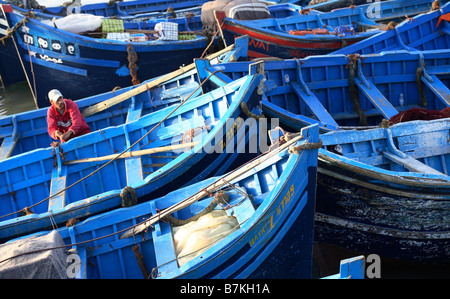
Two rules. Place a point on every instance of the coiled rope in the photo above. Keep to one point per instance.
(353, 89)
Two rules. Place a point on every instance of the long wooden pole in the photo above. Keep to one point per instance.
(136, 153)
(144, 87)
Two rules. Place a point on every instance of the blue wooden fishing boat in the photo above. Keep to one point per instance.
(387, 188)
(262, 213)
(295, 33)
(338, 91)
(423, 32)
(296, 36)
(27, 131)
(81, 66)
(142, 159)
(299, 92)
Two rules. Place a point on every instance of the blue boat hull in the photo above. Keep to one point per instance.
(10, 73)
(274, 239)
(404, 227)
(273, 40)
(393, 198)
(150, 177)
(420, 33)
(388, 75)
(81, 66)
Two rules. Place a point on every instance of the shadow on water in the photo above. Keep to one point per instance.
(16, 99)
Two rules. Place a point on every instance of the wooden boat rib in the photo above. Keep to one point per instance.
(272, 205)
(299, 92)
(31, 177)
(387, 188)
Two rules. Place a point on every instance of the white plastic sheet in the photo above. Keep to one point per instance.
(78, 23)
(196, 237)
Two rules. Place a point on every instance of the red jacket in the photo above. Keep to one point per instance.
(70, 120)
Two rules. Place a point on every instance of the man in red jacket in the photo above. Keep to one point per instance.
(64, 118)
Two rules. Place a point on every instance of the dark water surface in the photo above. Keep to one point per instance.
(326, 257)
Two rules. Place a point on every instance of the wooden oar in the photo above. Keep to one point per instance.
(136, 153)
(144, 87)
(208, 190)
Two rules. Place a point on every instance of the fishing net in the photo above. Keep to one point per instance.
(46, 264)
(196, 237)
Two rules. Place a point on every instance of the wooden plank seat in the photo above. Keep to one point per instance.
(411, 164)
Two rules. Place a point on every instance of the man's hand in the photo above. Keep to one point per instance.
(65, 136)
(58, 135)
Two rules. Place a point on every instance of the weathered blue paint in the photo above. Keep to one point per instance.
(394, 188)
(279, 209)
(389, 189)
(316, 89)
(27, 131)
(81, 66)
(418, 33)
(26, 179)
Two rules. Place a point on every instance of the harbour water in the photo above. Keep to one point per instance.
(18, 98)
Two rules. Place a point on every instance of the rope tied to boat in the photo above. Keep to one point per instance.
(391, 25)
(305, 146)
(220, 197)
(419, 73)
(353, 89)
(384, 123)
(112, 2)
(140, 259)
(132, 66)
(10, 32)
(128, 196)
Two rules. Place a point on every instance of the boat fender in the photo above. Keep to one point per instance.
(128, 201)
(305, 146)
(219, 197)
